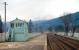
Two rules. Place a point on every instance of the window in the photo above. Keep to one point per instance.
(12, 25)
(16, 24)
(20, 24)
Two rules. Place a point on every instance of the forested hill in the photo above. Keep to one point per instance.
(57, 23)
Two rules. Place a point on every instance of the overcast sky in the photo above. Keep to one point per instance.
(38, 9)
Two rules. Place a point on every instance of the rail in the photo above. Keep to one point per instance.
(57, 42)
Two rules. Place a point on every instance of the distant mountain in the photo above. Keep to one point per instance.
(57, 22)
(75, 18)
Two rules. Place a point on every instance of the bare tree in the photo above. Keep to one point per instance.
(73, 30)
(30, 26)
(50, 28)
(66, 19)
(41, 29)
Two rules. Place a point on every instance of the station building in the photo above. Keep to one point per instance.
(18, 30)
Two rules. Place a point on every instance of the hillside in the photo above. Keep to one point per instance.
(74, 19)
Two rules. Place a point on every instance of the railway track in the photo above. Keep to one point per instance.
(57, 42)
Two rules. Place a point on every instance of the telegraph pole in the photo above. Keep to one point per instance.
(5, 18)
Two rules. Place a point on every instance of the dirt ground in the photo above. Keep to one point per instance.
(37, 43)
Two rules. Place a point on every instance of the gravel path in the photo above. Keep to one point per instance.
(29, 47)
(37, 43)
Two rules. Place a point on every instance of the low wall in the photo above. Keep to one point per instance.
(29, 36)
(2, 37)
